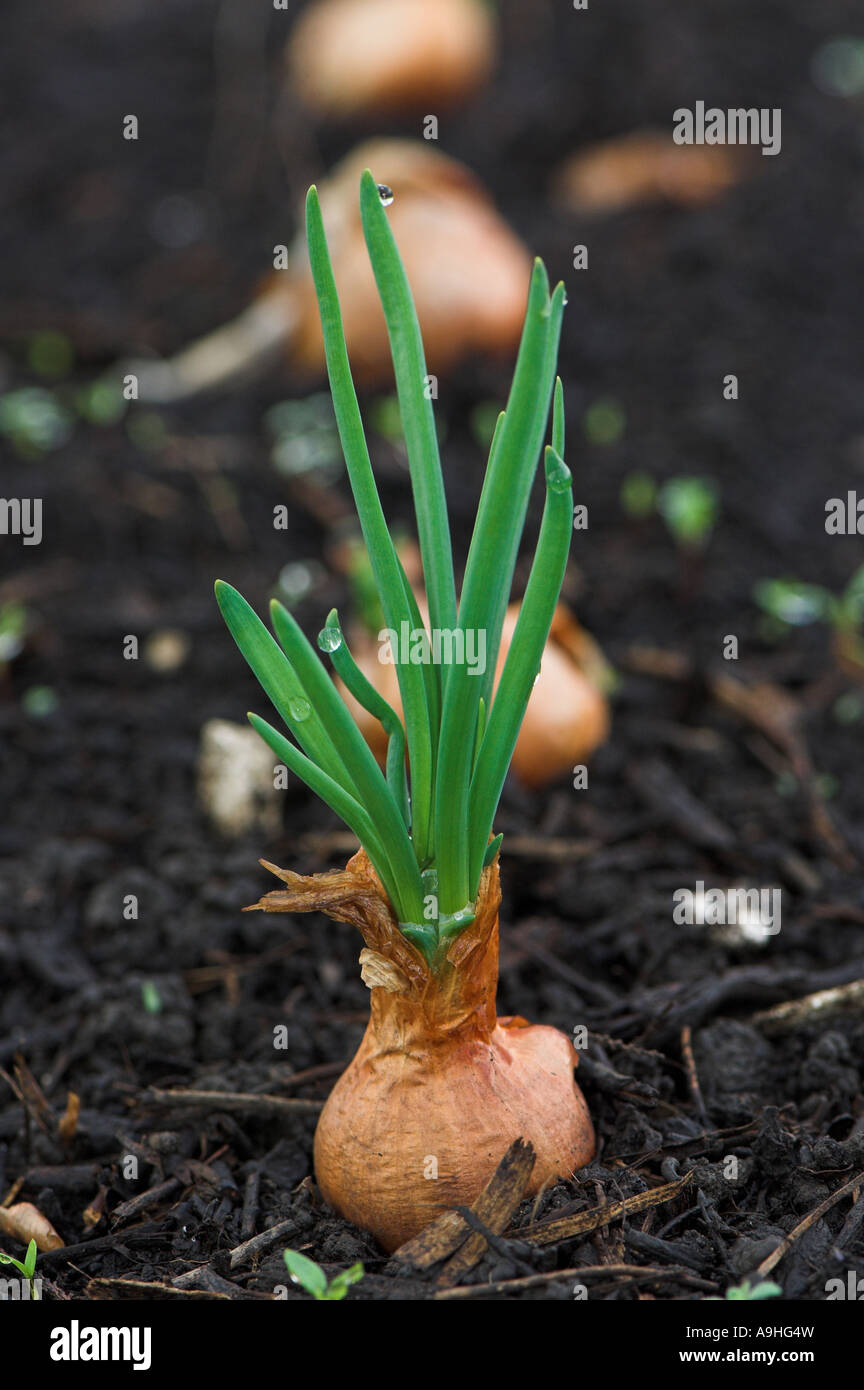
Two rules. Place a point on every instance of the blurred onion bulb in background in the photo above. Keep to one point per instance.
(348, 57)
(468, 270)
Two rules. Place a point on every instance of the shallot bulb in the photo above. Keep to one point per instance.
(440, 1087)
(568, 713)
(347, 57)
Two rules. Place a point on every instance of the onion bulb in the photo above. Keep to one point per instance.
(642, 168)
(568, 713)
(440, 1087)
(468, 272)
(347, 57)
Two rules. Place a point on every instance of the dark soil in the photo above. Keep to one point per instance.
(100, 792)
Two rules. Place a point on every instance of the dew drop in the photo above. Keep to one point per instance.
(299, 709)
(329, 639)
(557, 476)
(385, 194)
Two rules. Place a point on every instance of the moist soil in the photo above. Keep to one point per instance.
(99, 787)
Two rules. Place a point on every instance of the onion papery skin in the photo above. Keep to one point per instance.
(440, 1087)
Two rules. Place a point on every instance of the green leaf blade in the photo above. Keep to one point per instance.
(280, 682)
(386, 568)
(488, 579)
(524, 657)
(418, 418)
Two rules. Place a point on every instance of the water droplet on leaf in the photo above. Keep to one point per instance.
(385, 194)
(557, 475)
(299, 709)
(329, 639)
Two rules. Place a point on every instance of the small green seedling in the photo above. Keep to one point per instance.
(150, 997)
(689, 508)
(13, 631)
(27, 1269)
(792, 603)
(752, 1293)
(34, 421)
(638, 495)
(312, 1278)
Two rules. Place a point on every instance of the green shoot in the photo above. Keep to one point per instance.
(311, 1277)
(429, 836)
(792, 603)
(34, 421)
(796, 604)
(752, 1293)
(638, 495)
(689, 508)
(27, 1268)
(150, 997)
(13, 631)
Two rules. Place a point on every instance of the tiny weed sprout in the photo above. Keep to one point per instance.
(27, 1268)
(638, 495)
(440, 1087)
(792, 603)
(13, 632)
(312, 1278)
(689, 508)
(750, 1293)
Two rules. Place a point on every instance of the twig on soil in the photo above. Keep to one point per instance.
(493, 1209)
(243, 1253)
(491, 1212)
(662, 1010)
(628, 1274)
(233, 1100)
(102, 1288)
(665, 1250)
(825, 1003)
(149, 1230)
(565, 1228)
(251, 1196)
(809, 1220)
(853, 1221)
(692, 1074)
(486, 1240)
(145, 1199)
(605, 1078)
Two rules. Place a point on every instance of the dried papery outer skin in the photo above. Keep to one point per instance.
(373, 56)
(439, 1084)
(25, 1222)
(468, 271)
